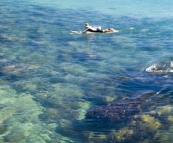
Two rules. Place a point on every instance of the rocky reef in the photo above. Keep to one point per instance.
(135, 120)
(16, 69)
(114, 112)
(121, 110)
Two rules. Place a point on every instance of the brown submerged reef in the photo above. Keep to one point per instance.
(136, 119)
(144, 117)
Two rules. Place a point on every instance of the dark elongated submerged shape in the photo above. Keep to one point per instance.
(114, 112)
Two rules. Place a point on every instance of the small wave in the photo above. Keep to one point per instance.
(160, 68)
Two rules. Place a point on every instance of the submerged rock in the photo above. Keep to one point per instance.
(20, 118)
(131, 120)
(16, 69)
(127, 120)
(115, 112)
(123, 110)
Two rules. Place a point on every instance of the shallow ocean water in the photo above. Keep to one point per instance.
(50, 79)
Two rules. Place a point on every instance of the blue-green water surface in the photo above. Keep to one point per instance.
(50, 78)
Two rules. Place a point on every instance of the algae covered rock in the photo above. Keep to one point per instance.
(62, 93)
(164, 110)
(17, 69)
(164, 136)
(150, 122)
(114, 112)
(20, 117)
(128, 120)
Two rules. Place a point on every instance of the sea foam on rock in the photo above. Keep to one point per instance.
(161, 68)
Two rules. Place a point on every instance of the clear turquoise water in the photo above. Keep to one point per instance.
(50, 78)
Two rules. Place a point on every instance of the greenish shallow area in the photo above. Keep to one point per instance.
(133, 8)
(49, 78)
